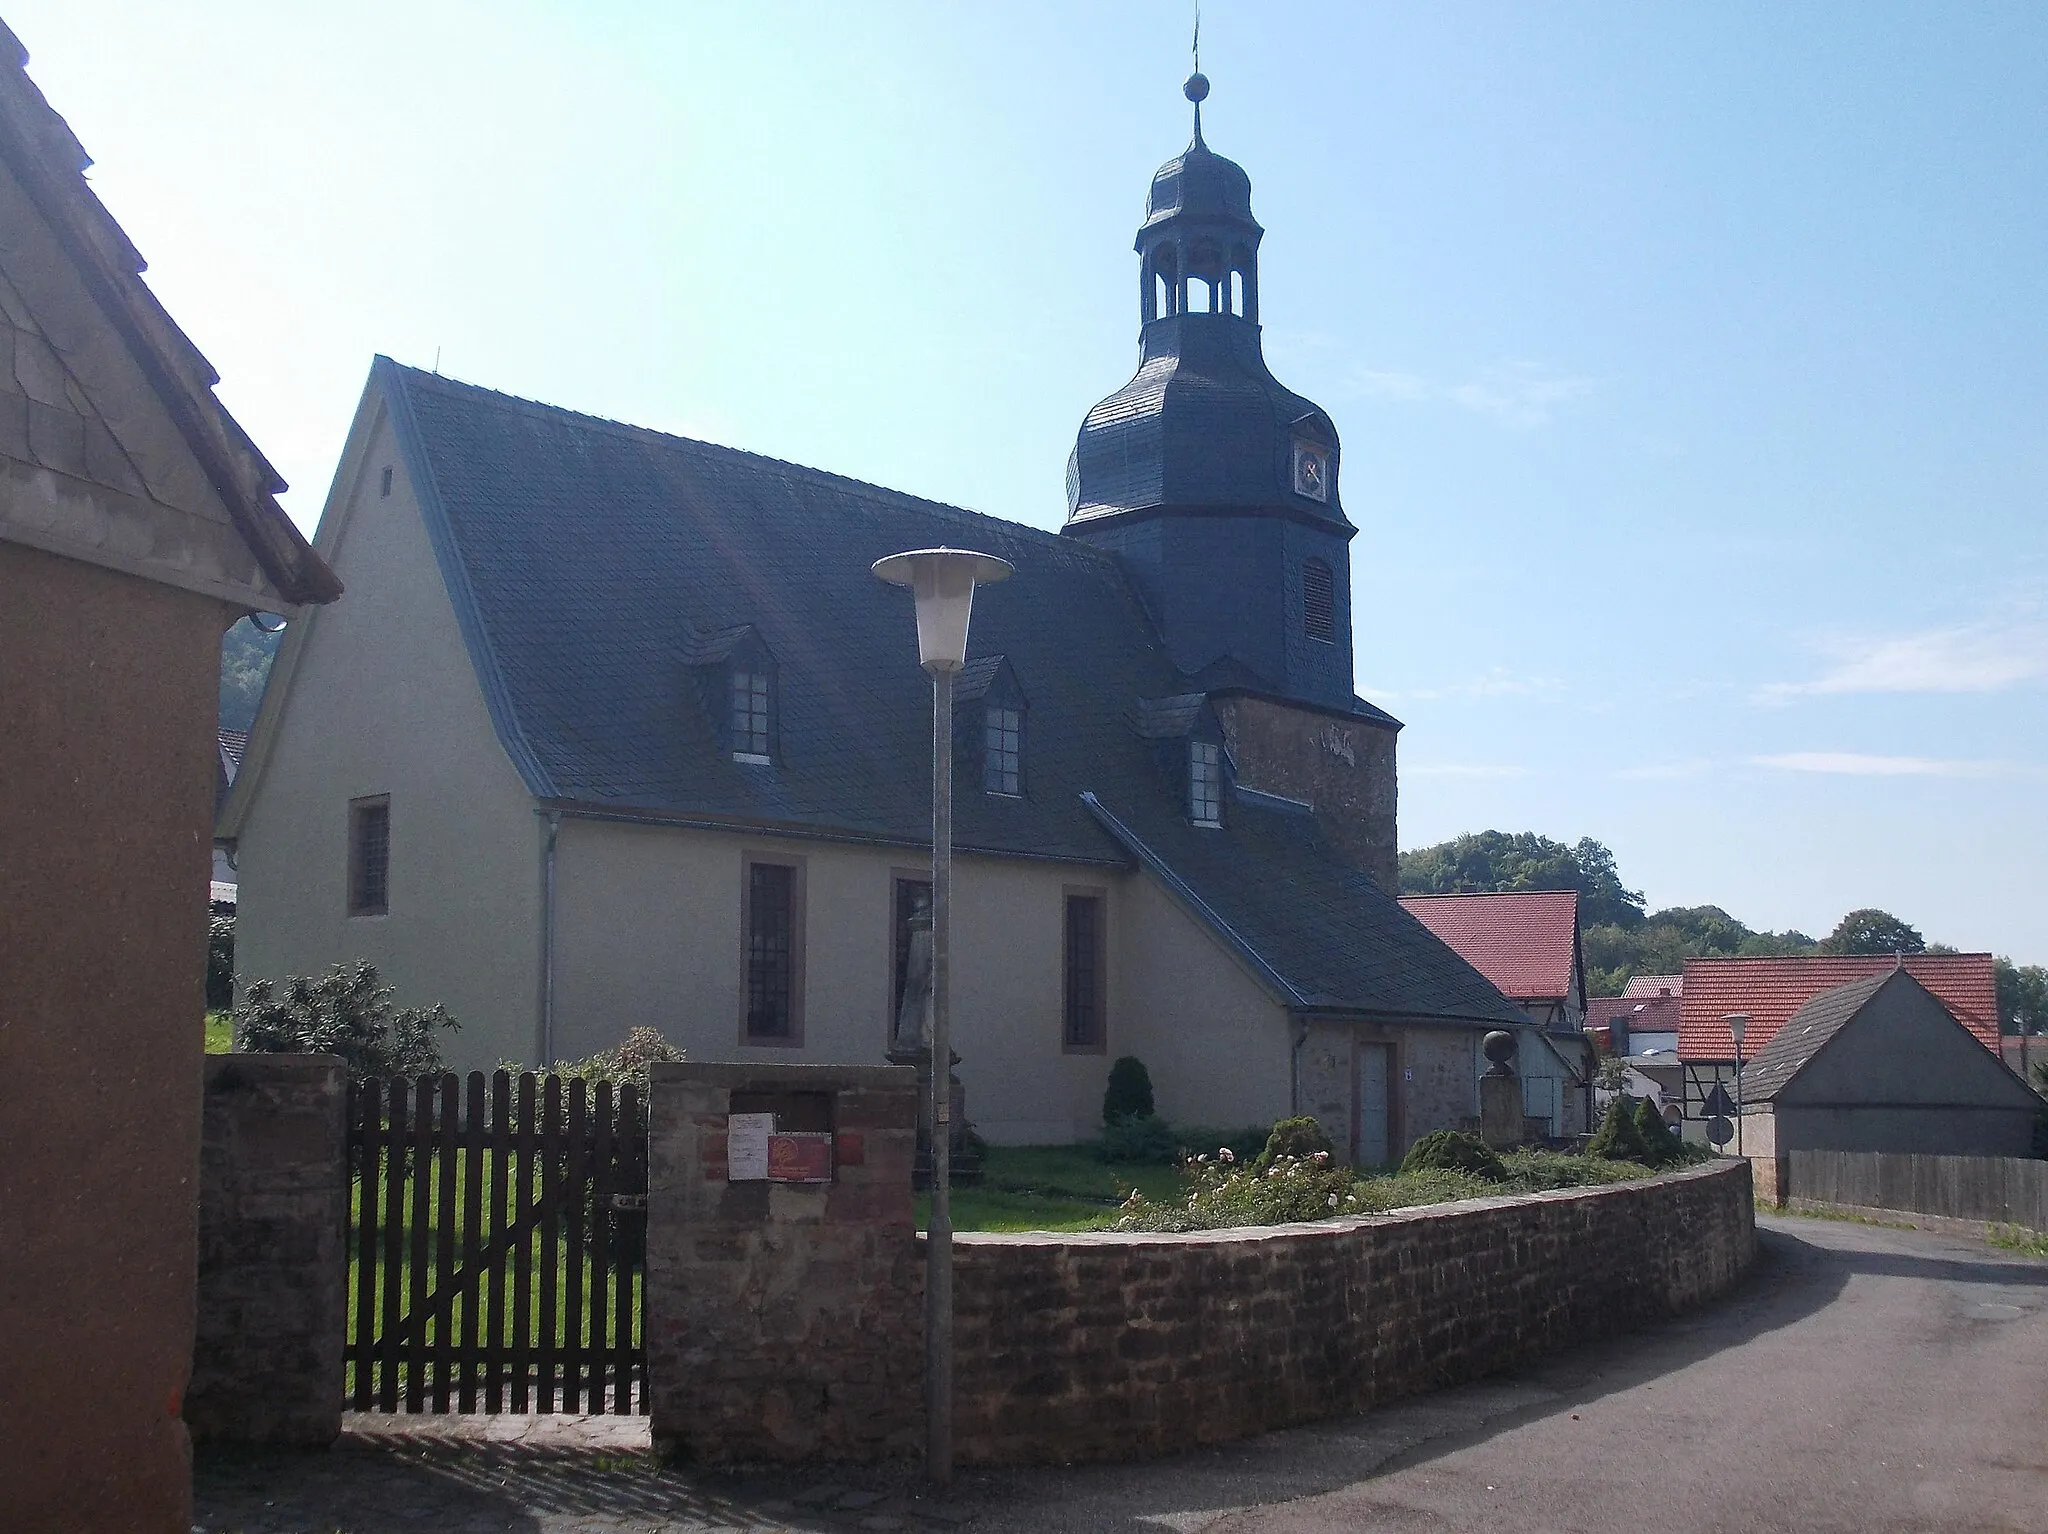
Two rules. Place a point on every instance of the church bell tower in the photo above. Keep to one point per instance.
(1216, 485)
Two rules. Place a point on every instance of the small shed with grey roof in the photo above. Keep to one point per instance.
(1879, 1064)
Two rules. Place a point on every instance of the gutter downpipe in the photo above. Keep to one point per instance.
(1294, 1064)
(547, 942)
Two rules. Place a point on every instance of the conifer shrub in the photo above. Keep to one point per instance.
(1663, 1147)
(1300, 1138)
(1130, 1092)
(1454, 1150)
(1617, 1139)
(1146, 1141)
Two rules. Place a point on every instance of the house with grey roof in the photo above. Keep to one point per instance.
(616, 728)
(1879, 1064)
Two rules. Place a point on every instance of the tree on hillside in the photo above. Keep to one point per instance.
(245, 656)
(2022, 996)
(1490, 861)
(1873, 931)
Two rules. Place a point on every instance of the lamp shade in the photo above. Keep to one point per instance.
(943, 581)
(1738, 1025)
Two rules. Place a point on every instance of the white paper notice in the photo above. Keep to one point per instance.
(746, 1146)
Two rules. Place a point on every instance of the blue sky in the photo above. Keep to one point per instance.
(1691, 361)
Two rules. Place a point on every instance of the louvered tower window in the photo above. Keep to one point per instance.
(1318, 601)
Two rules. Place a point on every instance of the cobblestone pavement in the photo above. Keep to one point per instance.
(1899, 1375)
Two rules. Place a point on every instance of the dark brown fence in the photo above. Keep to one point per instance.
(1995, 1189)
(497, 1241)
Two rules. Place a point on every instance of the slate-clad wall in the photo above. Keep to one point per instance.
(273, 1215)
(784, 1322)
(1100, 1347)
(1344, 767)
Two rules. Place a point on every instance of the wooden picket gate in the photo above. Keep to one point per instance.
(497, 1244)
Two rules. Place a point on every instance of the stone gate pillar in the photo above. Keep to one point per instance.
(785, 1279)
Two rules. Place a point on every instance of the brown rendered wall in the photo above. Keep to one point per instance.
(273, 1264)
(1099, 1347)
(1343, 767)
(108, 705)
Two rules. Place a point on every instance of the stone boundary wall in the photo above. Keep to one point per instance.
(1109, 1346)
(273, 1273)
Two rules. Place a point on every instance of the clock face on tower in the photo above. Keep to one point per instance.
(1312, 471)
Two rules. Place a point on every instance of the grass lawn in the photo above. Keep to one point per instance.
(1049, 1187)
(220, 1034)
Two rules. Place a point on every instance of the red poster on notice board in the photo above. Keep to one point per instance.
(799, 1156)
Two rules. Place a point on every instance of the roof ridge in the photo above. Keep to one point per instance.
(1472, 894)
(827, 477)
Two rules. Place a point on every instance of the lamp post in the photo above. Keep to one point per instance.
(1738, 1025)
(943, 581)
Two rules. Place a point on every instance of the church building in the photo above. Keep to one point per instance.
(616, 728)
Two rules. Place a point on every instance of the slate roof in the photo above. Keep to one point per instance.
(590, 563)
(1525, 942)
(1323, 935)
(1804, 1033)
(1772, 990)
(50, 163)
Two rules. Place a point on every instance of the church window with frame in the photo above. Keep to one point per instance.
(753, 695)
(771, 946)
(1002, 763)
(1205, 783)
(1086, 1001)
(1318, 601)
(369, 856)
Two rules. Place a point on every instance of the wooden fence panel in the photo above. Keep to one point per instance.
(1994, 1189)
(496, 1251)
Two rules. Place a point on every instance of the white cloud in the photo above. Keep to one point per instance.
(1982, 657)
(1857, 764)
(1517, 395)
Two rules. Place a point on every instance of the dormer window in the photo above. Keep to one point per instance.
(1002, 762)
(752, 695)
(739, 683)
(1205, 783)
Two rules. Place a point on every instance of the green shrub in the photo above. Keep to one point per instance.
(1299, 1138)
(1663, 1148)
(641, 1048)
(1616, 1139)
(1454, 1150)
(1539, 1171)
(220, 964)
(1148, 1141)
(1244, 1143)
(1130, 1091)
(344, 1012)
(1224, 1192)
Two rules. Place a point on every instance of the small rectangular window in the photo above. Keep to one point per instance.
(1318, 601)
(1205, 783)
(369, 857)
(1002, 769)
(384, 482)
(772, 953)
(750, 696)
(1086, 975)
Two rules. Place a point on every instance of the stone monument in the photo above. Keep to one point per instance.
(910, 1043)
(1500, 1093)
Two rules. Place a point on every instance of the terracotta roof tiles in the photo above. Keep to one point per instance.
(1525, 942)
(1771, 990)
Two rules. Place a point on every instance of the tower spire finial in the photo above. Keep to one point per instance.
(1197, 87)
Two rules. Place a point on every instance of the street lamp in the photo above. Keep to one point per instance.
(943, 581)
(1738, 1025)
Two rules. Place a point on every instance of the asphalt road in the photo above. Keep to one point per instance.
(1862, 1378)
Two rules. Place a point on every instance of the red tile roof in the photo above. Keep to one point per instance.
(1771, 990)
(1654, 985)
(1525, 943)
(1644, 1014)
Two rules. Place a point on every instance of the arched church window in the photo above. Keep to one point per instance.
(1318, 601)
